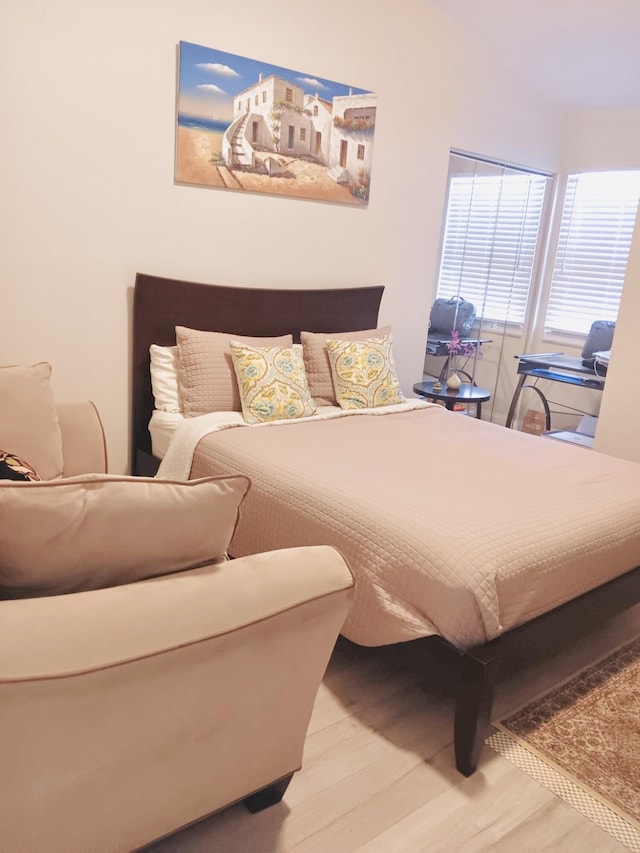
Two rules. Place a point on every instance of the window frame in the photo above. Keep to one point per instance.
(547, 330)
(509, 326)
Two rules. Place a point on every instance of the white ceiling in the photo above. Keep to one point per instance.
(580, 54)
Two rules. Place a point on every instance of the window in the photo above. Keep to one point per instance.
(492, 225)
(303, 134)
(255, 100)
(288, 95)
(315, 110)
(264, 97)
(596, 228)
(360, 152)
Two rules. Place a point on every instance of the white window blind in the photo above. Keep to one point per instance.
(597, 225)
(491, 234)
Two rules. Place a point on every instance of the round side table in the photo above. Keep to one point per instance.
(466, 393)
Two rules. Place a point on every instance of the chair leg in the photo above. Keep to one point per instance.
(268, 796)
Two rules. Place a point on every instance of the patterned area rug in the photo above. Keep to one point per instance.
(582, 741)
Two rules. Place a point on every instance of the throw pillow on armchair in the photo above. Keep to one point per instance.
(14, 468)
(99, 530)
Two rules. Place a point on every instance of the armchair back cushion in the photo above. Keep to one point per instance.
(96, 531)
(29, 425)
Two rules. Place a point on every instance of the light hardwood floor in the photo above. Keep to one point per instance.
(378, 773)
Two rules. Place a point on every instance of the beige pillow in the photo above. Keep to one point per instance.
(99, 530)
(29, 420)
(272, 383)
(364, 375)
(205, 369)
(318, 366)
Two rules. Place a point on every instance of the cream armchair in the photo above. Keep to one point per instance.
(84, 448)
(128, 712)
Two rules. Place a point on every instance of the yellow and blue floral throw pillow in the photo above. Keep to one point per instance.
(364, 375)
(272, 382)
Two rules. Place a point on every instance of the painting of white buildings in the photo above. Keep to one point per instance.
(246, 125)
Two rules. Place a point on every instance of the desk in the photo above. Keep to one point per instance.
(464, 394)
(556, 367)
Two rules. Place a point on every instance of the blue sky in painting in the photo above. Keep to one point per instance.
(210, 79)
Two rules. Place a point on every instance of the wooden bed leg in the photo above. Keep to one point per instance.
(268, 796)
(478, 671)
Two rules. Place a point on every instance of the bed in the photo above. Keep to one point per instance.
(449, 523)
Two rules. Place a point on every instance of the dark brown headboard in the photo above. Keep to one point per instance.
(161, 304)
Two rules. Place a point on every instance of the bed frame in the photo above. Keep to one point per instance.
(160, 304)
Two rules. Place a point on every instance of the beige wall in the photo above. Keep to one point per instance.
(86, 177)
(601, 139)
(496, 116)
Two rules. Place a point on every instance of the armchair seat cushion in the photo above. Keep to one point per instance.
(95, 531)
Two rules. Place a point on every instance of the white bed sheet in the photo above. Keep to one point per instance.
(177, 460)
(162, 427)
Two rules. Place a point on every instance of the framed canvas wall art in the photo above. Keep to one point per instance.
(246, 125)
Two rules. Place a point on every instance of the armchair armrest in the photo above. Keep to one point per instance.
(161, 701)
(84, 448)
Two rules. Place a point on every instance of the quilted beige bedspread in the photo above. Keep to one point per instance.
(451, 525)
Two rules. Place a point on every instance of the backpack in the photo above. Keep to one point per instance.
(455, 314)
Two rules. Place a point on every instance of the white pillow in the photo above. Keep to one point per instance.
(164, 378)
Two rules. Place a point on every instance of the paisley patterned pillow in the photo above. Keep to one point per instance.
(14, 468)
(364, 375)
(272, 382)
